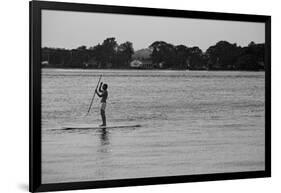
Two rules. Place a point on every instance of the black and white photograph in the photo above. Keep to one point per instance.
(136, 96)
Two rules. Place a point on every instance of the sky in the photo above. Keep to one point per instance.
(68, 29)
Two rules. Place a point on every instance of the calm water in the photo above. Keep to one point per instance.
(192, 123)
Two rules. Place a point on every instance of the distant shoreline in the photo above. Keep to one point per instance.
(154, 69)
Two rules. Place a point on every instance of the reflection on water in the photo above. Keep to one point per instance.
(104, 138)
(191, 123)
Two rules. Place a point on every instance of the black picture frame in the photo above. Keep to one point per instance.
(35, 184)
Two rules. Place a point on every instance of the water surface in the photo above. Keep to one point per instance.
(193, 122)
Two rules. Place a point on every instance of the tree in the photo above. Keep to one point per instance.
(105, 52)
(223, 55)
(82, 48)
(123, 55)
(196, 59)
(108, 51)
(96, 53)
(163, 52)
(182, 56)
(251, 57)
(246, 62)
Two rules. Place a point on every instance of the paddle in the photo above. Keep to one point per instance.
(94, 96)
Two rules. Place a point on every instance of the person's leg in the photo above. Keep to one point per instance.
(102, 112)
(103, 117)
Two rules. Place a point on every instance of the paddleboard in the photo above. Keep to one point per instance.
(99, 127)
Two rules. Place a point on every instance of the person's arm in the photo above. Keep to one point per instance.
(100, 95)
(100, 90)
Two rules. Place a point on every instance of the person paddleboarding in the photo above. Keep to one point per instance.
(103, 94)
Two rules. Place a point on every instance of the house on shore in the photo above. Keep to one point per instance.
(147, 64)
(141, 59)
(135, 63)
(45, 63)
(142, 64)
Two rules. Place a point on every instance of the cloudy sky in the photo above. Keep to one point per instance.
(65, 29)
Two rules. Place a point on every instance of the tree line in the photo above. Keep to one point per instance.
(221, 56)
